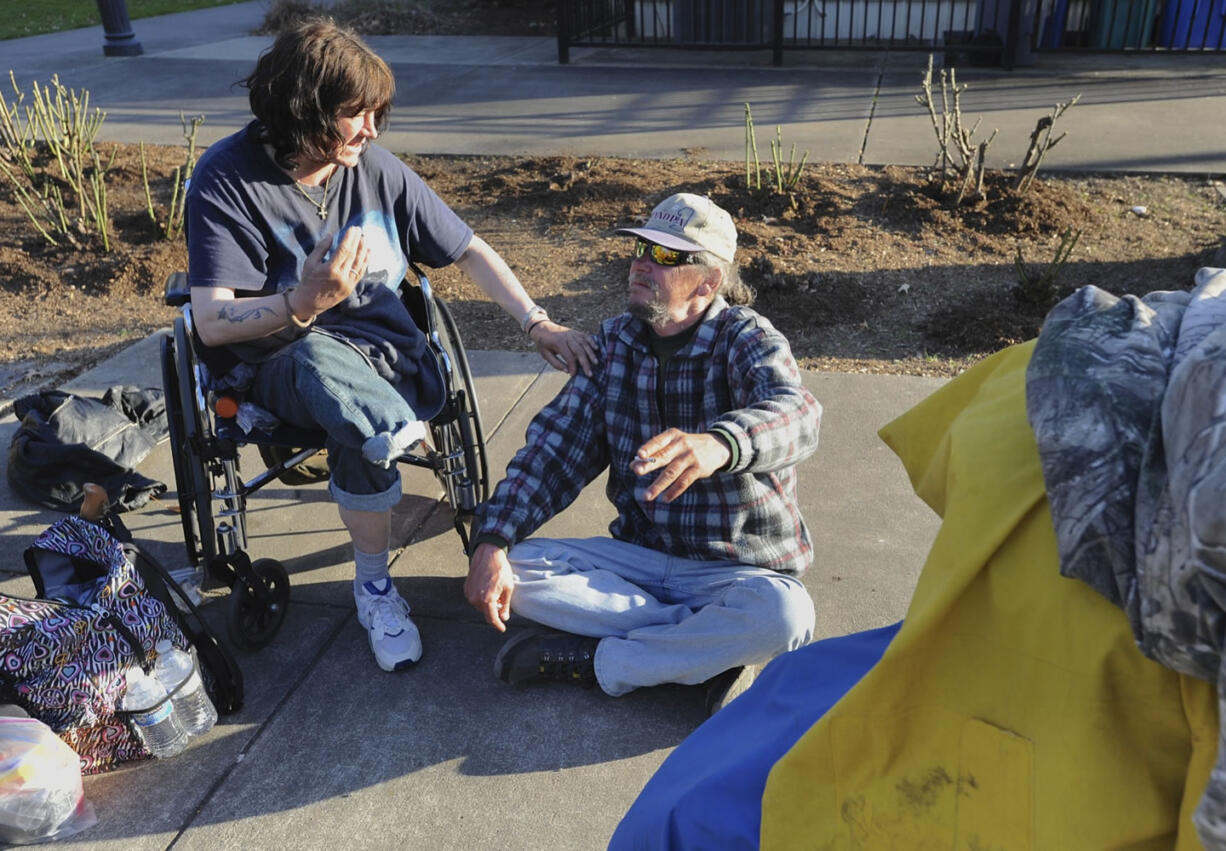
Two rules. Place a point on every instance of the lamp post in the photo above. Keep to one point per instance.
(120, 40)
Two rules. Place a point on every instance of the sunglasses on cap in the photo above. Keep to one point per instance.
(662, 256)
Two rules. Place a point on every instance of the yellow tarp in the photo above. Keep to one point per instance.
(1012, 710)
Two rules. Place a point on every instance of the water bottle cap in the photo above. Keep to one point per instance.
(164, 645)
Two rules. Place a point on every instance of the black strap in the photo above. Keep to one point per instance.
(223, 679)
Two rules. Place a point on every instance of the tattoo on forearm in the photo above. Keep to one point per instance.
(232, 313)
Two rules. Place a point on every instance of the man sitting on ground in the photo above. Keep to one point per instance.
(697, 410)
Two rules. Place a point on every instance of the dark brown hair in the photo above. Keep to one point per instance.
(300, 85)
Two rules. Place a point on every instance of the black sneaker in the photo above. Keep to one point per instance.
(723, 688)
(537, 656)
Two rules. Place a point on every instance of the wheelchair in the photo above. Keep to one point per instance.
(205, 440)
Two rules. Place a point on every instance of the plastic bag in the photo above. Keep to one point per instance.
(41, 796)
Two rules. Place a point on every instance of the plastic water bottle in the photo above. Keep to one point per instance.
(154, 716)
(192, 704)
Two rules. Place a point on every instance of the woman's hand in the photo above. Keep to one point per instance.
(563, 348)
(329, 282)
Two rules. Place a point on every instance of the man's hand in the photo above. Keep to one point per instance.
(329, 282)
(682, 458)
(489, 585)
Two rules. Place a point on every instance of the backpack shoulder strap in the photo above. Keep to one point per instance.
(223, 679)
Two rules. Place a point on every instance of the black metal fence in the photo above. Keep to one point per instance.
(990, 31)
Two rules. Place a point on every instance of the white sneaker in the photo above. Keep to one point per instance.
(384, 615)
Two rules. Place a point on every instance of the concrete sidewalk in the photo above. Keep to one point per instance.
(505, 95)
(330, 752)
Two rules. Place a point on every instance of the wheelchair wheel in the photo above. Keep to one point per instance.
(460, 435)
(179, 450)
(206, 460)
(197, 430)
(258, 604)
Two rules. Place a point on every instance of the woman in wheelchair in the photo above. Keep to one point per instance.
(299, 231)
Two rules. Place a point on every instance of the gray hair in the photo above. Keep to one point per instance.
(731, 287)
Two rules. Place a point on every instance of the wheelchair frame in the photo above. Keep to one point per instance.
(213, 495)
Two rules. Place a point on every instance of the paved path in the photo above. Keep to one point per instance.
(505, 95)
(330, 752)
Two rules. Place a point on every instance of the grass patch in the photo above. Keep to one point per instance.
(32, 17)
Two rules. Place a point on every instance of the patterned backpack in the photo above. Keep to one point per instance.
(63, 660)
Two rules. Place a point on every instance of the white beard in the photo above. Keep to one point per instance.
(652, 312)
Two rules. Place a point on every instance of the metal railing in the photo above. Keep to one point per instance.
(986, 31)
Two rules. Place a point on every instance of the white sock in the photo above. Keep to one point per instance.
(386, 446)
(369, 567)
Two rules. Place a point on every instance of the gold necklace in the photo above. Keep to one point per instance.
(322, 204)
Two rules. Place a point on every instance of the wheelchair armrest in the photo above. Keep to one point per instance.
(178, 293)
(417, 273)
(416, 297)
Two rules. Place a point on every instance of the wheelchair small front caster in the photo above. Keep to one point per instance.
(256, 614)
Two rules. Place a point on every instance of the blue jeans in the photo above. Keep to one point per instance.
(661, 619)
(320, 382)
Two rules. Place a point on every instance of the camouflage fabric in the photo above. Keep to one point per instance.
(1127, 401)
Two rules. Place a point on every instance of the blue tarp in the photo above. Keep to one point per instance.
(708, 793)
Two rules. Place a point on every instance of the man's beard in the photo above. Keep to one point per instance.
(652, 312)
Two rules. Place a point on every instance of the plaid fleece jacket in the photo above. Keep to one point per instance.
(737, 373)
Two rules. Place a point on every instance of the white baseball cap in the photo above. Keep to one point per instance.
(689, 222)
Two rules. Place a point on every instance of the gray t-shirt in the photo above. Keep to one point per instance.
(250, 227)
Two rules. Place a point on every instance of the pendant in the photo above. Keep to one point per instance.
(323, 214)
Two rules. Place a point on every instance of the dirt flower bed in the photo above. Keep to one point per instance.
(865, 269)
